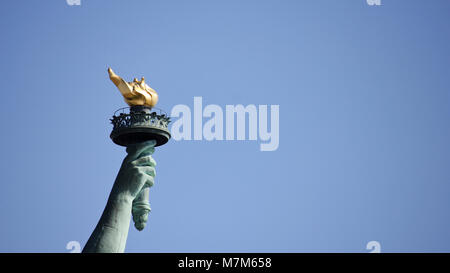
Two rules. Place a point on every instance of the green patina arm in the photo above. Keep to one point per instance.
(129, 194)
(111, 232)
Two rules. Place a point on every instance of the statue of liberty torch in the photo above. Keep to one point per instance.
(140, 129)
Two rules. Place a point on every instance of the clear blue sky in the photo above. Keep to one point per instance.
(364, 123)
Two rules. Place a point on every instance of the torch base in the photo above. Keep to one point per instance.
(138, 125)
(127, 136)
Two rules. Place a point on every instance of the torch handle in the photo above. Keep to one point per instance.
(141, 209)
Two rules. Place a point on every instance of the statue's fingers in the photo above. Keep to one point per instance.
(148, 170)
(143, 147)
(140, 149)
(144, 161)
(149, 182)
(145, 176)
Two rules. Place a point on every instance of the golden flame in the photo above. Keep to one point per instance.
(135, 92)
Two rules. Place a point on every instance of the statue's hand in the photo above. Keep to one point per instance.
(137, 171)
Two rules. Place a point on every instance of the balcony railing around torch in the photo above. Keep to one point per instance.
(127, 119)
